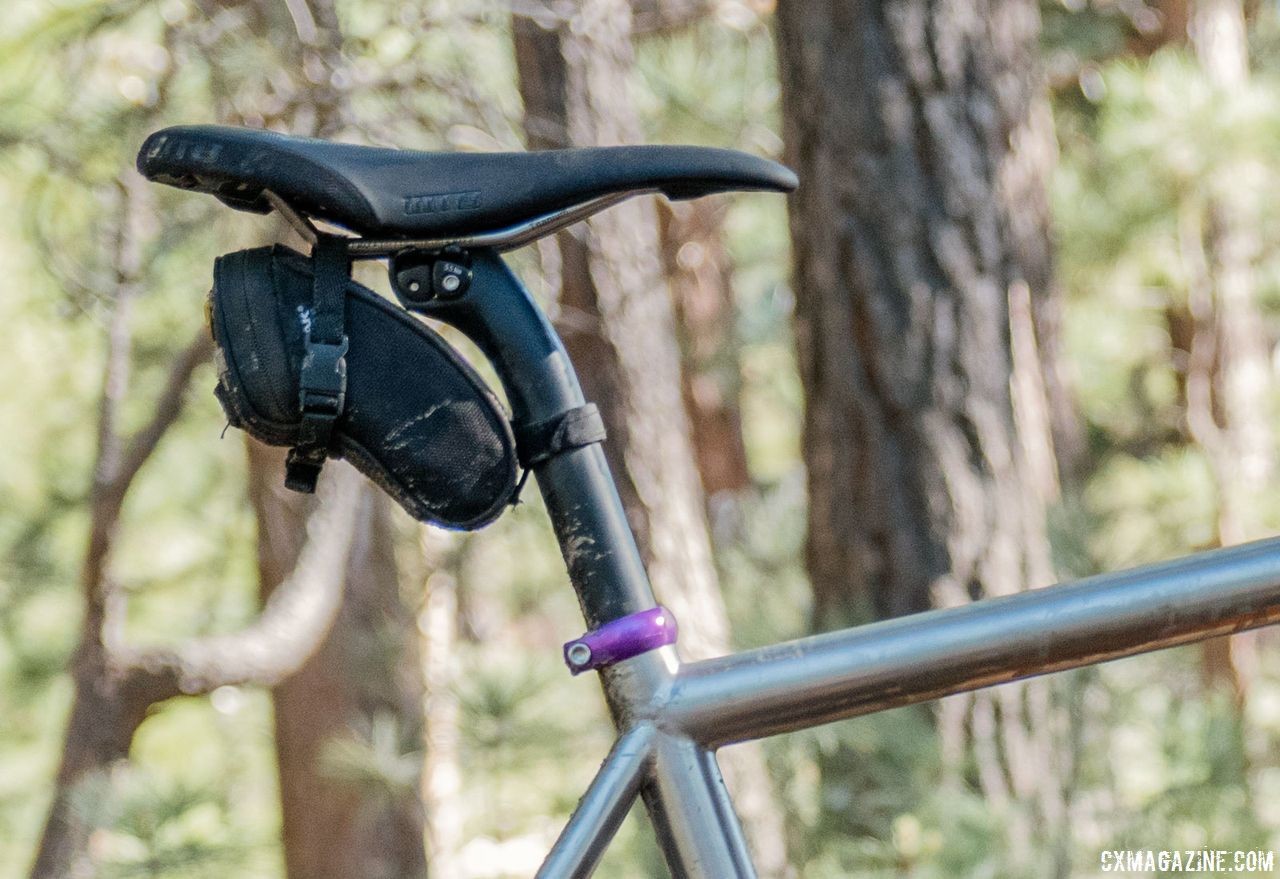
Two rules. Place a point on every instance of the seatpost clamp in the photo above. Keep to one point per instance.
(621, 639)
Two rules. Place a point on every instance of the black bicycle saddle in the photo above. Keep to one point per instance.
(388, 193)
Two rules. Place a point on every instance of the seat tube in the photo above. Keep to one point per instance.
(685, 793)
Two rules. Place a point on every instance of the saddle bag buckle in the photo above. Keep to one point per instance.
(323, 378)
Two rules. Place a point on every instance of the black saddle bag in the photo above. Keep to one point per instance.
(416, 419)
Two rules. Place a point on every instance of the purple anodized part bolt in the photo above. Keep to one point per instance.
(621, 639)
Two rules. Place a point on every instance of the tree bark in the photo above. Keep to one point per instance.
(907, 248)
(920, 241)
(615, 317)
(366, 670)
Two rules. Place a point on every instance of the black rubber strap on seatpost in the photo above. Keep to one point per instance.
(322, 390)
(567, 431)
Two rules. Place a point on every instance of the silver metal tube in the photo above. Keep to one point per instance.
(602, 808)
(911, 659)
(689, 806)
(683, 790)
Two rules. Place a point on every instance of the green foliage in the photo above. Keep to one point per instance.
(1136, 165)
(145, 826)
(681, 89)
(382, 762)
(81, 84)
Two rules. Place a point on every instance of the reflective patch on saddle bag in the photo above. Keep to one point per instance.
(417, 419)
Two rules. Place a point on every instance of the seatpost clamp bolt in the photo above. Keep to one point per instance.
(578, 654)
(450, 280)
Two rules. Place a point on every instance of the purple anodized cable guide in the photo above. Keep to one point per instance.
(621, 639)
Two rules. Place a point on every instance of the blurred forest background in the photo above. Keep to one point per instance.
(1021, 326)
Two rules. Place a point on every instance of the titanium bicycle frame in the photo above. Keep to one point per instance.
(672, 717)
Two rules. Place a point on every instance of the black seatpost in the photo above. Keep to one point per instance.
(492, 308)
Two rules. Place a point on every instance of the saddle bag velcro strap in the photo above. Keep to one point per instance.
(311, 360)
(323, 377)
(571, 429)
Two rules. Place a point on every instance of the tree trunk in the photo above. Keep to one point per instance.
(615, 316)
(441, 709)
(1050, 419)
(698, 269)
(920, 245)
(1228, 373)
(907, 249)
(104, 717)
(366, 672)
